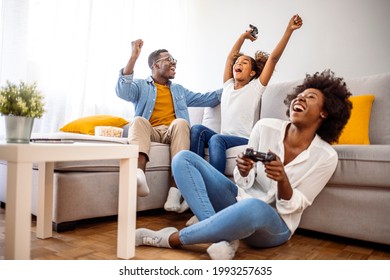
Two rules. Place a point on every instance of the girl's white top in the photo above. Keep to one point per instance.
(240, 108)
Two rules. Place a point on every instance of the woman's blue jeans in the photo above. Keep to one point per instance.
(203, 137)
(212, 198)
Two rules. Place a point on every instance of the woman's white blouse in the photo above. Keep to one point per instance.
(308, 173)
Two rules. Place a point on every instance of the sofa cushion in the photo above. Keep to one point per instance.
(86, 125)
(159, 157)
(212, 118)
(356, 131)
(231, 155)
(196, 115)
(362, 165)
(378, 85)
(272, 103)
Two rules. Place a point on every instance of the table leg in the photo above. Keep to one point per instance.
(127, 208)
(45, 199)
(18, 211)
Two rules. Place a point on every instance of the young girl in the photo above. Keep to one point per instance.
(245, 79)
(265, 204)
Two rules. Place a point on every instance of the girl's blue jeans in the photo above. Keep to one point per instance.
(203, 137)
(212, 198)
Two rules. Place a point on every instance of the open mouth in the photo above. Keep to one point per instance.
(238, 70)
(297, 107)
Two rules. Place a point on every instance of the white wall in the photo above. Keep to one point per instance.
(351, 37)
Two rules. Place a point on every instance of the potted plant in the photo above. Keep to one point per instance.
(20, 105)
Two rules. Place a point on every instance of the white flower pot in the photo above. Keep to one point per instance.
(18, 129)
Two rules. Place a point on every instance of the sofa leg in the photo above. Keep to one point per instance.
(66, 226)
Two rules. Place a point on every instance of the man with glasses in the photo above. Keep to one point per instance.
(161, 112)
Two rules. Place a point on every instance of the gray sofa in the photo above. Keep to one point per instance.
(355, 203)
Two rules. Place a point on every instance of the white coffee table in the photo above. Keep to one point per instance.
(20, 158)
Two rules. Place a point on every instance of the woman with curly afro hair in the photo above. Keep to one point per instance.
(337, 106)
(264, 204)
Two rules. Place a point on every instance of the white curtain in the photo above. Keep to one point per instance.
(74, 50)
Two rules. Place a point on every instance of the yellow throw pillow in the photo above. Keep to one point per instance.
(356, 130)
(87, 125)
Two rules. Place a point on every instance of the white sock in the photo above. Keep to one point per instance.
(192, 220)
(183, 207)
(173, 200)
(147, 237)
(142, 185)
(223, 250)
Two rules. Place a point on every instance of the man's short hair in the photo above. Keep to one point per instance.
(154, 56)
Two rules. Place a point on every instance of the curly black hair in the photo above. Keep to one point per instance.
(261, 59)
(337, 103)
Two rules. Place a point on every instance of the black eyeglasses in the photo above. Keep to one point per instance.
(169, 58)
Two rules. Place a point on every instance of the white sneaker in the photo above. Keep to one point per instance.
(173, 200)
(192, 220)
(223, 250)
(142, 185)
(183, 207)
(147, 237)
